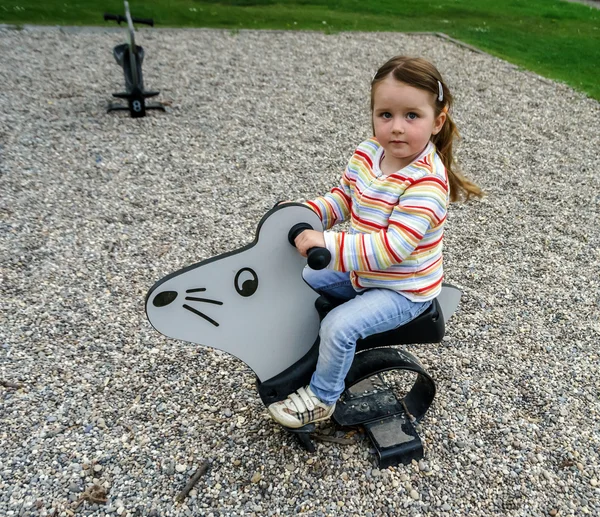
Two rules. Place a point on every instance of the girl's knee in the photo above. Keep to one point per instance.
(335, 329)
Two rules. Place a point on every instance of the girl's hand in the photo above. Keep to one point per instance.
(309, 239)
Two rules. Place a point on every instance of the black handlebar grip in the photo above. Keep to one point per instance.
(296, 230)
(120, 18)
(116, 17)
(317, 258)
(145, 21)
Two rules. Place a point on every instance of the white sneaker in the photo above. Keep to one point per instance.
(299, 409)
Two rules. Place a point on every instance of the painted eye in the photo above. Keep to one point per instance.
(246, 282)
(165, 298)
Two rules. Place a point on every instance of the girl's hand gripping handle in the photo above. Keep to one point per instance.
(318, 257)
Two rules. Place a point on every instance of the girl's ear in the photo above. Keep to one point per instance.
(439, 123)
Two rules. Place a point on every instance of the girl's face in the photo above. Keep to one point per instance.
(404, 120)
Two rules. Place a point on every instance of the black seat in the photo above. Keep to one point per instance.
(428, 327)
(121, 53)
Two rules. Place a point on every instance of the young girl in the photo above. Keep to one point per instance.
(395, 190)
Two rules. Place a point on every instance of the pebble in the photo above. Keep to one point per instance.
(96, 207)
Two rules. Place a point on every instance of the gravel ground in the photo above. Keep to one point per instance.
(96, 207)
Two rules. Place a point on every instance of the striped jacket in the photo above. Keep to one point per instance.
(396, 223)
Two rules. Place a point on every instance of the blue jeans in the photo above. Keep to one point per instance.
(361, 314)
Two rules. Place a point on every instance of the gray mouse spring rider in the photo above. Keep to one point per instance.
(253, 303)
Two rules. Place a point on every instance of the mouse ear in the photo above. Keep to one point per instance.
(277, 223)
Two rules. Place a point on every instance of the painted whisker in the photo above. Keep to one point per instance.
(202, 315)
(206, 300)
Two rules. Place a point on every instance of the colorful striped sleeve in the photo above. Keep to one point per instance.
(334, 207)
(421, 207)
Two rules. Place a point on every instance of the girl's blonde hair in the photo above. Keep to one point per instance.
(420, 73)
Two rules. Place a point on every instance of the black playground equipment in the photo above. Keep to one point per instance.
(130, 56)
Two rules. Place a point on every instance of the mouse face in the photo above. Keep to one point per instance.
(251, 302)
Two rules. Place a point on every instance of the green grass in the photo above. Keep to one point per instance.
(557, 39)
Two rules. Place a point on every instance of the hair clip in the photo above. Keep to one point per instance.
(440, 92)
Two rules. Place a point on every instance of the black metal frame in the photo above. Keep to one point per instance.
(130, 56)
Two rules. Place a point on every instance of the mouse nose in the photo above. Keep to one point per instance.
(164, 298)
